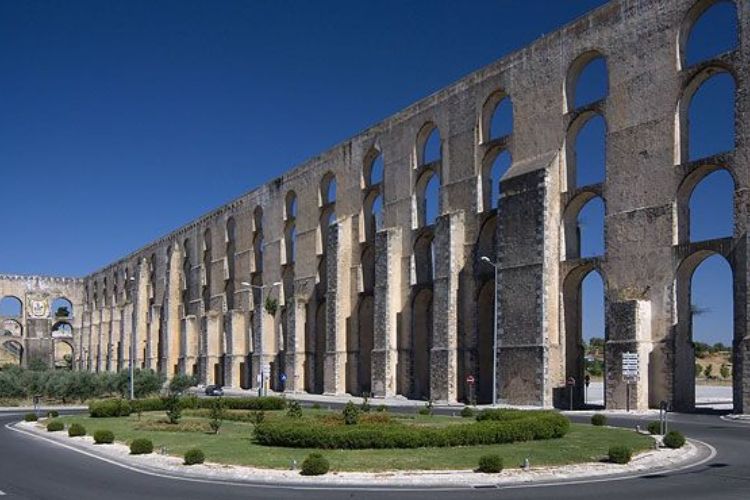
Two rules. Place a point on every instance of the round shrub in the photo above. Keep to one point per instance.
(55, 425)
(295, 410)
(654, 427)
(351, 414)
(598, 419)
(53, 414)
(467, 412)
(674, 439)
(194, 456)
(141, 446)
(76, 430)
(315, 465)
(491, 464)
(104, 436)
(620, 454)
(107, 408)
(30, 417)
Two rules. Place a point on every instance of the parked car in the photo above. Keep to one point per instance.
(214, 390)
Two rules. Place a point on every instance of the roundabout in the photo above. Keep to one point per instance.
(718, 469)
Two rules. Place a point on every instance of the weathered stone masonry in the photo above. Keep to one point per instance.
(398, 304)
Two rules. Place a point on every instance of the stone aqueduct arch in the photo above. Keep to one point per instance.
(188, 307)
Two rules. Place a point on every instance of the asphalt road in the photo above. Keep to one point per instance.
(31, 468)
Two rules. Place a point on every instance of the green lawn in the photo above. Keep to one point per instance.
(234, 445)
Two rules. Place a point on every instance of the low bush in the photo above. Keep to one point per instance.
(30, 417)
(382, 408)
(76, 430)
(164, 426)
(107, 408)
(194, 456)
(598, 419)
(141, 446)
(314, 465)
(492, 464)
(294, 411)
(619, 454)
(350, 414)
(55, 425)
(286, 433)
(424, 411)
(103, 436)
(265, 403)
(467, 412)
(258, 417)
(507, 414)
(654, 427)
(674, 439)
(53, 414)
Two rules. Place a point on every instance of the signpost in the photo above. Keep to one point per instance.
(629, 373)
(571, 383)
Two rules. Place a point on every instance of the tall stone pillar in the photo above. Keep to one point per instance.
(628, 330)
(189, 348)
(212, 347)
(86, 342)
(448, 262)
(172, 321)
(234, 329)
(115, 337)
(96, 335)
(338, 306)
(522, 349)
(140, 312)
(295, 346)
(127, 333)
(152, 339)
(387, 306)
(105, 327)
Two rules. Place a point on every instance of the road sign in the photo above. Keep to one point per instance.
(630, 363)
(266, 370)
(470, 379)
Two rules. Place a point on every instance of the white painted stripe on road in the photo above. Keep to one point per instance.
(635, 475)
(2, 493)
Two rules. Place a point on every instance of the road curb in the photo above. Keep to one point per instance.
(445, 480)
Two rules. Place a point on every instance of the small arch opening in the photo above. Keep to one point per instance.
(587, 81)
(11, 307)
(711, 117)
(713, 33)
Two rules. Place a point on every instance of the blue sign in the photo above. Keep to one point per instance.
(282, 376)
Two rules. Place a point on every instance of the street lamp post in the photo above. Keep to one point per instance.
(487, 260)
(261, 389)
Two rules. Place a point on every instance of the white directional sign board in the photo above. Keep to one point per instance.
(630, 365)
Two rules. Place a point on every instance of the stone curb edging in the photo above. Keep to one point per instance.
(664, 460)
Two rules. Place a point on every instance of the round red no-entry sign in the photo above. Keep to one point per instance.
(470, 379)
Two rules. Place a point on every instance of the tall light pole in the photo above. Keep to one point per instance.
(487, 260)
(261, 389)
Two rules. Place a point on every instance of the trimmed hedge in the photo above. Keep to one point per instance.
(598, 419)
(674, 439)
(537, 425)
(620, 454)
(76, 430)
(315, 465)
(194, 456)
(55, 425)
(141, 446)
(467, 412)
(30, 417)
(491, 464)
(266, 403)
(104, 436)
(106, 408)
(53, 414)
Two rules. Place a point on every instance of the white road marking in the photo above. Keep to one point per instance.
(12, 427)
(2, 493)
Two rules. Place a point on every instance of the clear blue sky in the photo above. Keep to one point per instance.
(120, 121)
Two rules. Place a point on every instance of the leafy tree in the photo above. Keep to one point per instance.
(708, 370)
(173, 407)
(698, 370)
(62, 312)
(217, 414)
(181, 383)
(724, 371)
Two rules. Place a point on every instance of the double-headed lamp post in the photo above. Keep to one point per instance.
(487, 260)
(260, 354)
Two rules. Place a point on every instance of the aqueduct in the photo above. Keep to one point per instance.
(361, 270)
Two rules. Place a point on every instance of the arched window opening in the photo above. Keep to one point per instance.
(230, 250)
(62, 329)
(422, 333)
(424, 260)
(11, 353)
(590, 224)
(712, 34)
(11, 328)
(428, 144)
(374, 221)
(428, 199)
(258, 240)
(501, 123)
(290, 206)
(712, 313)
(588, 162)
(592, 331)
(186, 272)
(328, 189)
(11, 307)
(62, 308)
(291, 244)
(587, 81)
(376, 171)
(486, 247)
(493, 173)
(711, 117)
(63, 355)
(712, 207)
